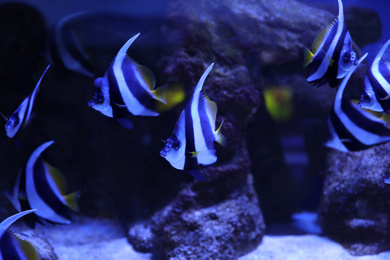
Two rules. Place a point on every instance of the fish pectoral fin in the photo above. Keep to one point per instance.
(71, 200)
(345, 140)
(385, 98)
(125, 122)
(3, 116)
(197, 174)
(308, 57)
(120, 105)
(219, 138)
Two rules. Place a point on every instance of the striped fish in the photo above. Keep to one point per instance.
(192, 141)
(11, 246)
(127, 89)
(22, 115)
(41, 186)
(376, 95)
(332, 55)
(351, 127)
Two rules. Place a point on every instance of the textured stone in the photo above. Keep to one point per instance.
(43, 247)
(354, 209)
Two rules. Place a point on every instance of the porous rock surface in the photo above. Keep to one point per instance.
(354, 209)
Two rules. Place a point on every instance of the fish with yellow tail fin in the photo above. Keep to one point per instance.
(351, 127)
(127, 89)
(332, 56)
(192, 141)
(11, 246)
(22, 115)
(376, 95)
(41, 186)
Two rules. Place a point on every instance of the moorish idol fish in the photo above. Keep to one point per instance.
(127, 89)
(42, 187)
(22, 115)
(332, 55)
(376, 95)
(192, 141)
(351, 127)
(11, 246)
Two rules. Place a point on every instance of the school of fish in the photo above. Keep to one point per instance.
(128, 89)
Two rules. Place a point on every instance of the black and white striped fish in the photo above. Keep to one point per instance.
(41, 186)
(11, 246)
(351, 127)
(376, 95)
(127, 89)
(332, 55)
(192, 141)
(22, 115)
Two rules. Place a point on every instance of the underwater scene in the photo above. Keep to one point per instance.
(182, 129)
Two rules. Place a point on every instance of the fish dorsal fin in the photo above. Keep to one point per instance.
(320, 37)
(341, 11)
(199, 86)
(26, 247)
(127, 45)
(10, 220)
(57, 177)
(71, 200)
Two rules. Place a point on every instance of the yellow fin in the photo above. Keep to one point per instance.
(71, 200)
(212, 106)
(27, 248)
(160, 94)
(57, 177)
(320, 37)
(146, 74)
(308, 57)
(219, 136)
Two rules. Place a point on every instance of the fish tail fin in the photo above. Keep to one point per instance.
(219, 138)
(71, 201)
(197, 174)
(308, 57)
(173, 93)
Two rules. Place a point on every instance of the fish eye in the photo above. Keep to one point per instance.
(13, 120)
(99, 97)
(347, 57)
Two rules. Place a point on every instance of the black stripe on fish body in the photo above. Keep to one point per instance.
(7, 247)
(384, 70)
(376, 85)
(350, 142)
(190, 161)
(45, 192)
(322, 53)
(205, 124)
(333, 70)
(143, 96)
(362, 121)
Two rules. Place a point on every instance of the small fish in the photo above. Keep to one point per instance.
(376, 95)
(192, 141)
(41, 186)
(351, 127)
(127, 89)
(22, 115)
(333, 56)
(279, 103)
(11, 246)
